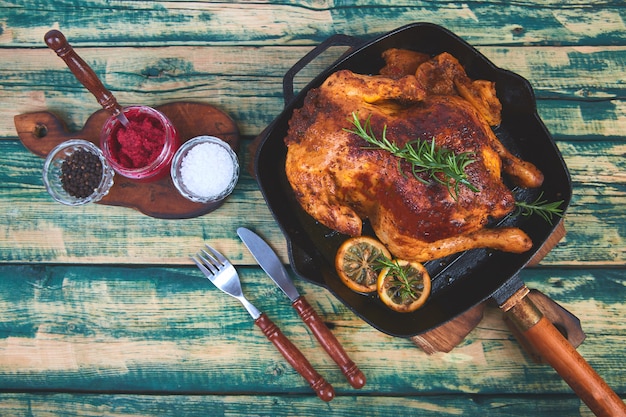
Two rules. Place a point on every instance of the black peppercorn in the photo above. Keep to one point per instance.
(81, 173)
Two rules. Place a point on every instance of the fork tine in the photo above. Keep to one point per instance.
(216, 255)
(211, 259)
(202, 266)
(209, 264)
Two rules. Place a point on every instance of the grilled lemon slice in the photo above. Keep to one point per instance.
(356, 262)
(403, 286)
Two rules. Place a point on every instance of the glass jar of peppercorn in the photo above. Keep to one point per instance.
(76, 173)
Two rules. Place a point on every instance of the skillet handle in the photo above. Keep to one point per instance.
(335, 40)
(562, 356)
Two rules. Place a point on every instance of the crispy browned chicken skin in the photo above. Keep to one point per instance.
(340, 180)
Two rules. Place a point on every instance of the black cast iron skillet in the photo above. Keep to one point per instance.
(460, 281)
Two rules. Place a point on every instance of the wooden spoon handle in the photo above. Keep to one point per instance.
(83, 72)
(321, 387)
(329, 342)
(563, 357)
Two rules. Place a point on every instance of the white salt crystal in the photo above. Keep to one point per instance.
(207, 170)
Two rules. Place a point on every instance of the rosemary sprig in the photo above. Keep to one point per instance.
(546, 209)
(403, 285)
(423, 156)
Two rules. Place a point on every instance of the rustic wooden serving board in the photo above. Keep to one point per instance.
(449, 335)
(41, 132)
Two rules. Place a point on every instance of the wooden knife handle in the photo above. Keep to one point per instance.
(321, 387)
(83, 72)
(329, 342)
(563, 357)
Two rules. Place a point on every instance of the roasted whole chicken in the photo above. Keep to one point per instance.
(341, 180)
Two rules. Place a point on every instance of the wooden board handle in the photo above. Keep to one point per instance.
(329, 342)
(321, 387)
(81, 70)
(563, 357)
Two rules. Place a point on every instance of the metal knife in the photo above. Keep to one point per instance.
(271, 264)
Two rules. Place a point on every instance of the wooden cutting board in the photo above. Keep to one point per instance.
(41, 132)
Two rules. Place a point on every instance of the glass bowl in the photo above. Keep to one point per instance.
(205, 169)
(63, 157)
(143, 150)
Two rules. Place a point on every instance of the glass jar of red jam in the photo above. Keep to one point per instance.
(142, 150)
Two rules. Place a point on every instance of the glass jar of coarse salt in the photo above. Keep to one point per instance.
(205, 169)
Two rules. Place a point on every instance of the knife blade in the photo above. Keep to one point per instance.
(273, 267)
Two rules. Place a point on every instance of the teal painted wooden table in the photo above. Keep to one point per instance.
(102, 311)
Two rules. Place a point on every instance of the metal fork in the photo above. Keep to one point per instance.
(224, 276)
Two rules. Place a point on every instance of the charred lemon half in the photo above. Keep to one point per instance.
(357, 262)
(403, 286)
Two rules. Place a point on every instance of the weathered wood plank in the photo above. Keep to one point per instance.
(578, 120)
(153, 326)
(261, 23)
(125, 405)
(580, 90)
(50, 231)
(36, 229)
(159, 330)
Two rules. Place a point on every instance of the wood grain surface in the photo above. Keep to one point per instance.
(102, 313)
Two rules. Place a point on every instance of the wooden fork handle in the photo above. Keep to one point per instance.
(329, 342)
(81, 70)
(297, 360)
